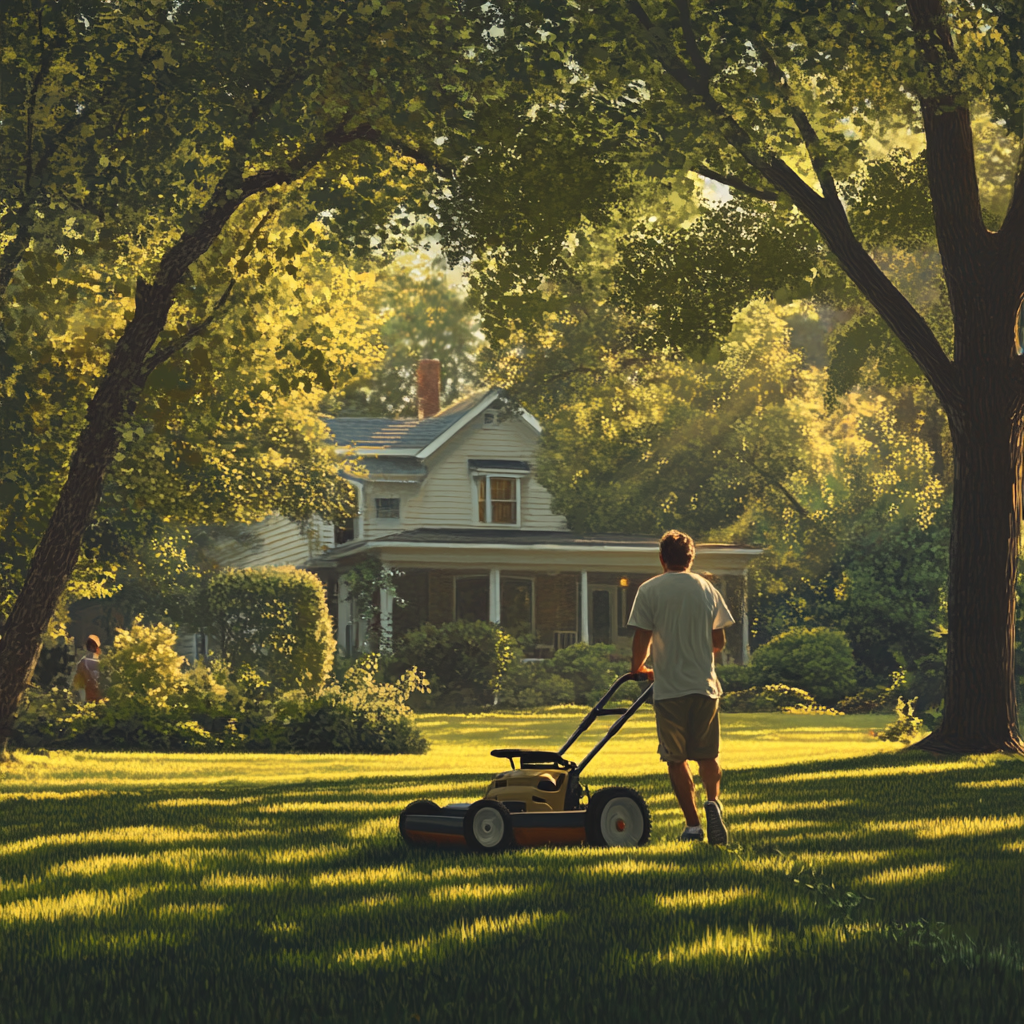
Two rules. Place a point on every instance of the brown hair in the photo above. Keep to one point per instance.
(677, 549)
(92, 642)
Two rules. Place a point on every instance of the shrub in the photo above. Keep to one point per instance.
(907, 724)
(775, 697)
(273, 624)
(875, 699)
(362, 713)
(465, 662)
(591, 669)
(534, 684)
(149, 703)
(817, 660)
(734, 677)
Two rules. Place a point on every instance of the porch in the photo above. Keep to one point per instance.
(551, 589)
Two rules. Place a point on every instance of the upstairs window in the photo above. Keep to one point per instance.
(387, 508)
(498, 499)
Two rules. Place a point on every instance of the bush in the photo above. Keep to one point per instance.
(592, 668)
(465, 663)
(150, 703)
(817, 660)
(534, 684)
(273, 624)
(907, 724)
(775, 697)
(361, 713)
(734, 677)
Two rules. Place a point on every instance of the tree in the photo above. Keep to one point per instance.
(424, 317)
(184, 140)
(797, 107)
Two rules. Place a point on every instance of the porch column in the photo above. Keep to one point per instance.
(494, 597)
(387, 605)
(343, 614)
(745, 649)
(584, 609)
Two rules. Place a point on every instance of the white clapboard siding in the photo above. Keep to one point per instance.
(284, 542)
(445, 498)
(374, 527)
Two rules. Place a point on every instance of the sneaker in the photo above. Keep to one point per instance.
(692, 832)
(718, 834)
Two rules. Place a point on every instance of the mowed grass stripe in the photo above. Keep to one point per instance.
(240, 887)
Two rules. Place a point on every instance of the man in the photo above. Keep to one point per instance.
(684, 617)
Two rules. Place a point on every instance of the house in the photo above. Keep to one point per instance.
(451, 499)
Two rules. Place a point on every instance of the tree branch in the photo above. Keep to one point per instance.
(736, 183)
(826, 215)
(812, 143)
(172, 348)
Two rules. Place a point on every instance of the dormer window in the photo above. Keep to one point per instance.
(490, 419)
(498, 499)
(387, 508)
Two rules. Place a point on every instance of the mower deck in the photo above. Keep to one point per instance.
(530, 828)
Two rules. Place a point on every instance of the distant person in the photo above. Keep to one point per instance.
(87, 674)
(684, 617)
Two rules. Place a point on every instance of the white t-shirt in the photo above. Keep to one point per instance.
(681, 609)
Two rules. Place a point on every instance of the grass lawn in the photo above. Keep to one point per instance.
(227, 888)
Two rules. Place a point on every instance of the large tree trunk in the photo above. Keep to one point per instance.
(60, 546)
(980, 713)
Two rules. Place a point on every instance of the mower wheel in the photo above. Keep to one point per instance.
(416, 807)
(617, 816)
(488, 827)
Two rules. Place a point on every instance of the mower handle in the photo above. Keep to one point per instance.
(599, 710)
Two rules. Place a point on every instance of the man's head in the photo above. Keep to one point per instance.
(677, 550)
(92, 644)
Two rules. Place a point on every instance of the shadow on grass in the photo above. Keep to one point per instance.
(288, 901)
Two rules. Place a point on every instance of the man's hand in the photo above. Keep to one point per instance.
(718, 640)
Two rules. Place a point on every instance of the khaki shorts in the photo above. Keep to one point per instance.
(687, 728)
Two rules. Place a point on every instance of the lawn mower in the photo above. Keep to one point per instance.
(540, 803)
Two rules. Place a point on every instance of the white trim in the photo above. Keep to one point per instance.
(487, 476)
(531, 420)
(584, 608)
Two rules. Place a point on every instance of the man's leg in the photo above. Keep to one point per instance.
(711, 776)
(685, 790)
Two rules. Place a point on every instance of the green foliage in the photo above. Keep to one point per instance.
(534, 684)
(422, 316)
(818, 661)
(365, 580)
(907, 724)
(151, 703)
(465, 662)
(273, 624)
(733, 677)
(360, 713)
(772, 697)
(580, 674)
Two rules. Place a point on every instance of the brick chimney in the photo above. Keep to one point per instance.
(428, 386)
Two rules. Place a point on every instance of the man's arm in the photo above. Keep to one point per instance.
(718, 640)
(641, 648)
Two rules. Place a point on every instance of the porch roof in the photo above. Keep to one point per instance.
(529, 550)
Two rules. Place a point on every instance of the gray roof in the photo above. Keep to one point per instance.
(364, 432)
(389, 467)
